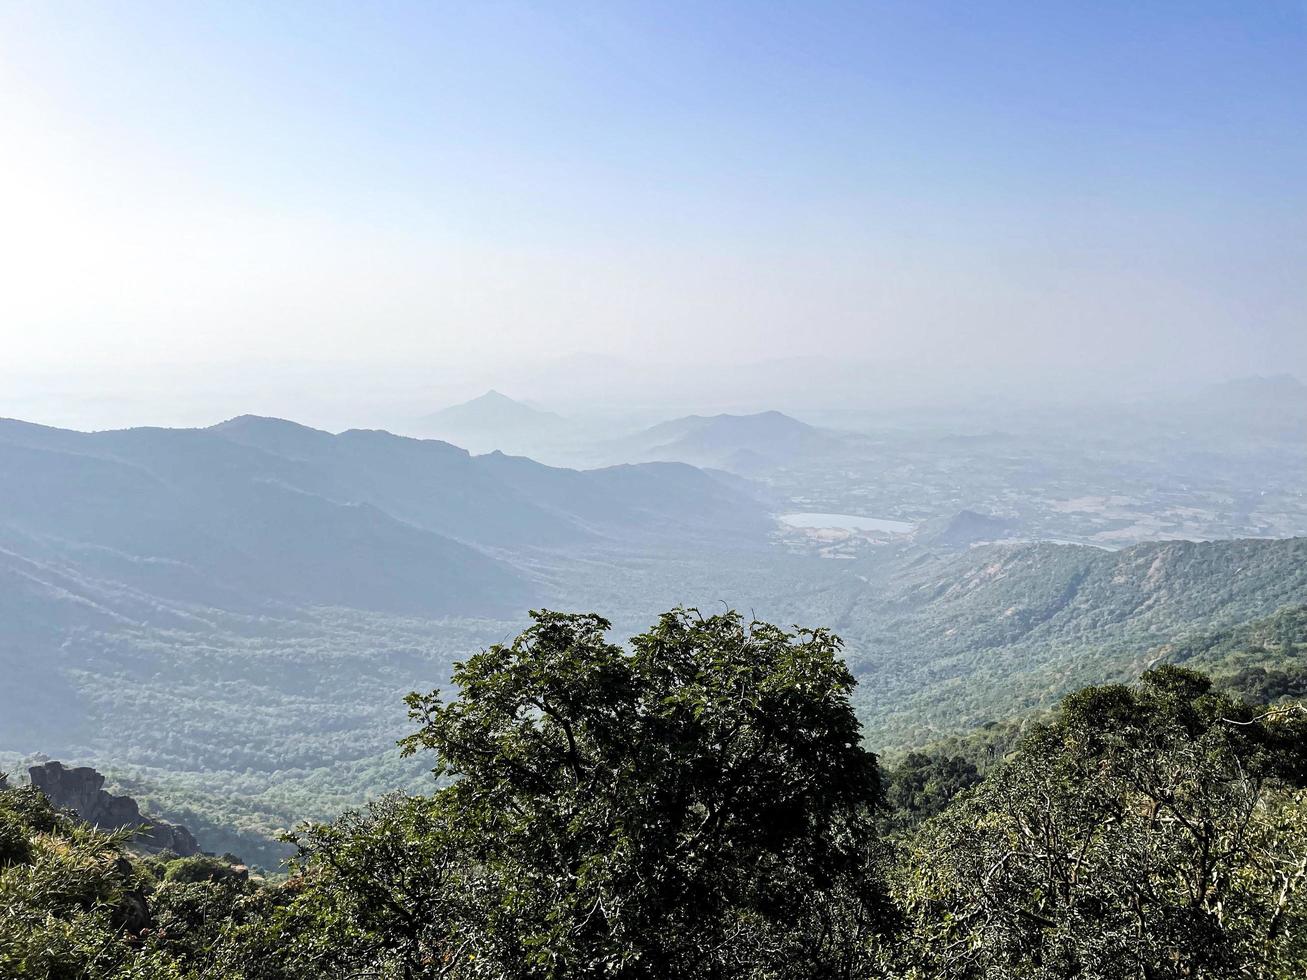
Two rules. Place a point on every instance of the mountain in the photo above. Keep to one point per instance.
(223, 490)
(189, 515)
(230, 616)
(245, 605)
(499, 501)
(494, 421)
(1264, 660)
(738, 443)
(945, 641)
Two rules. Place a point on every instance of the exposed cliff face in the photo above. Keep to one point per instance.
(82, 791)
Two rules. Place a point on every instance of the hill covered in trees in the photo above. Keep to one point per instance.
(942, 641)
(700, 804)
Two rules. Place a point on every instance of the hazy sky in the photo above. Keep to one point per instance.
(1001, 188)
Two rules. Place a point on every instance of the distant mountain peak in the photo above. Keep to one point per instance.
(736, 443)
(492, 412)
(493, 396)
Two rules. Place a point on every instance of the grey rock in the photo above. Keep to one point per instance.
(82, 790)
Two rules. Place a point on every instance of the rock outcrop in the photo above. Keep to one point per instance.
(82, 791)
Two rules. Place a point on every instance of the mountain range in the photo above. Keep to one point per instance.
(946, 640)
(230, 616)
(256, 510)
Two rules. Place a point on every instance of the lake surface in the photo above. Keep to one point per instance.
(849, 522)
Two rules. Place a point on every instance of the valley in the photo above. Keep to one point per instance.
(225, 620)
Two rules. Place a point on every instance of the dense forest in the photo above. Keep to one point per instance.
(700, 803)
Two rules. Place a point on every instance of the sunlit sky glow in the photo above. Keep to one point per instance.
(1007, 187)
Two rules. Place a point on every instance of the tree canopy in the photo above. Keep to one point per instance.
(691, 807)
(698, 803)
(1149, 831)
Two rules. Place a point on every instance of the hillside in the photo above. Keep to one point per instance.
(194, 517)
(295, 714)
(941, 643)
(499, 501)
(243, 606)
(1264, 660)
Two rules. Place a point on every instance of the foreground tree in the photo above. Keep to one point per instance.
(696, 806)
(1156, 831)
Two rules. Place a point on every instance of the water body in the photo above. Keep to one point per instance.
(847, 522)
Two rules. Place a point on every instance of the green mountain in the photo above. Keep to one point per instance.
(1264, 660)
(943, 642)
(254, 599)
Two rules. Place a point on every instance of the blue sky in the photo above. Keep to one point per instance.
(1014, 186)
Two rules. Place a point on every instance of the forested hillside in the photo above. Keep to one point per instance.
(941, 642)
(225, 618)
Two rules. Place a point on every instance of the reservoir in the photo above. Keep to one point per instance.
(849, 522)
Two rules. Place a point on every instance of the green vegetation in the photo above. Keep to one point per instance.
(239, 726)
(1150, 831)
(1264, 661)
(944, 643)
(699, 805)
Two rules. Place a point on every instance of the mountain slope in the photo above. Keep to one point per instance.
(941, 643)
(502, 501)
(268, 579)
(1264, 660)
(216, 528)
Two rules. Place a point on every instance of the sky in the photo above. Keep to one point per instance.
(211, 208)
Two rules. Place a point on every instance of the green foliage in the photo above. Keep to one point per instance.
(924, 784)
(1262, 661)
(69, 899)
(240, 723)
(698, 804)
(941, 644)
(1154, 831)
(679, 810)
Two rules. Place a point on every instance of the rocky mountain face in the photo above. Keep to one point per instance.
(82, 791)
